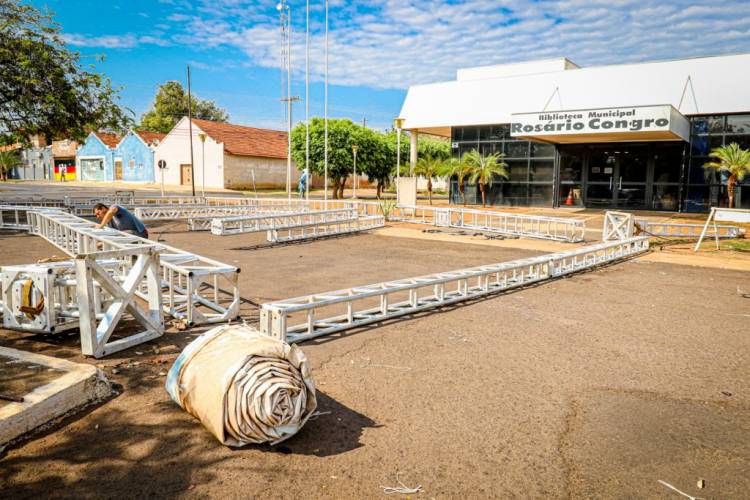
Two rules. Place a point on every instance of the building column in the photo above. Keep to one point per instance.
(413, 152)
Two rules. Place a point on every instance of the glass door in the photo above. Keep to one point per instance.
(600, 188)
(631, 173)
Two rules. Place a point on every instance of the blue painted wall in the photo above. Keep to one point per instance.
(142, 156)
(95, 147)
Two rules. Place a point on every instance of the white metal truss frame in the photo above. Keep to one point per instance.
(176, 212)
(14, 216)
(197, 289)
(531, 226)
(312, 230)
(617, 226)
(222, 226)
(142, 277)
(682, 230)
(319, 315)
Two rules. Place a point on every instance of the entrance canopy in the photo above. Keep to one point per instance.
(636, 123)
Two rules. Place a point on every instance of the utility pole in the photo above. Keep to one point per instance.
(364, 122)
(289, 101)
(325, 118)
(190, 129)
(307, 104)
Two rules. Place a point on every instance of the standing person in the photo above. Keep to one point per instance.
(119, 218)
(302, 185)
(63, 169)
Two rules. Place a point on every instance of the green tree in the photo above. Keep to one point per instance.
(461, 171)
(733, 160)
(342, 135)
(430, 167)
(484, 169)
(43, 88)
(171, 104)
(8, 160)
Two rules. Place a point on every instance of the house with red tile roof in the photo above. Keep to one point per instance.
(96, 157)
(134, 156)
(231, 156)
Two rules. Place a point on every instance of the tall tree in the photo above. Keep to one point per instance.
(171, 104)
(461, 171)
(430, 167)
(342, 135)
(733, 160)
(43, 88)
(484, 169)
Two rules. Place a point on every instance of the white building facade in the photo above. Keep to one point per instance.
(231, 156)
(629, 136)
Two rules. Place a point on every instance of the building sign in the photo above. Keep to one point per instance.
(638, 122)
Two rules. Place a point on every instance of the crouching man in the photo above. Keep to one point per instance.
(119, 218)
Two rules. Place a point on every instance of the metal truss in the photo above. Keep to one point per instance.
(530, 226)
(617, 226)
(680, 230)
(14, 216)
(91, 293)
(191, 212)
(310, 316)
(267, 221)
(321, 229)
(197, 289)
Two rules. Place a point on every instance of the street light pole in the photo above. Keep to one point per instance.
(190, 132)
(307, 103)
(354, 179)
(325, 117)
(202, 137)
(398, 122)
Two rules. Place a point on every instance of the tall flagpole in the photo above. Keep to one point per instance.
(289, 101)
(325, 117)
(307, 104)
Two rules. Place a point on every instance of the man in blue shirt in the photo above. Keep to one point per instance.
(119, 218)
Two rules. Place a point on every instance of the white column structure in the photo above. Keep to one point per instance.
(413, 152)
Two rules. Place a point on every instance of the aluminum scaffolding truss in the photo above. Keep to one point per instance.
(263, 222)
(531, 226)
(617, 226)
(14, 216)
(91, 293)
(329, 312)
(322, 229)
(680, 230)
(197, 289)
(182, 212)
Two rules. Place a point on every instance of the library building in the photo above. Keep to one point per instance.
(632, 136)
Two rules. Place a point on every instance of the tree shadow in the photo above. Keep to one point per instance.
(104, 453)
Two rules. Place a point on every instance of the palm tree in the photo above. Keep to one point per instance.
(484, 169)
(735, 161)
(429, 167)
(458, 169)
(9, 158)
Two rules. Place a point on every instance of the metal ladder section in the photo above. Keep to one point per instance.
(265, 221)
(680, 230)
(14, 216)
(312, 230)
(324, 313)
(197, 289)
(187, 212)
(531, 226)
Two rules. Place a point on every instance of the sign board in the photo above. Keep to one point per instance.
(602, 124)
(162, 164)
(406, 189)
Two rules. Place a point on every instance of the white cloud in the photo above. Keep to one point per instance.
(397, 43)
(105, 41)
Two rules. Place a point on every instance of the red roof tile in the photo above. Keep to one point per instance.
(150, 137)
(246, 141)
(110, 140)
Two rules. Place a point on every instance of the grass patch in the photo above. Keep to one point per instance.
(737, 245)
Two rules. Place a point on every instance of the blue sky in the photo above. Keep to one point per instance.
(377, 47)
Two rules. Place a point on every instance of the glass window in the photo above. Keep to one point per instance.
(665, 197)
(517, 149)
(700, 125)
(518, 170)
(542, 150)
(464, 148)
(485, 133)
(500, 132)
(715, 141)
(541, 170)
(540, 194)
(667, 164)
(571, 195)
(742, 140)
(470, 134)
(571, 167)
(738, 124)
(699, 146)
(700, 175)
(456, 134)
(716, 124)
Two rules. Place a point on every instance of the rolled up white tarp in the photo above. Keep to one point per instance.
(243, 386)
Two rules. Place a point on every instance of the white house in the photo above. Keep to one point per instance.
(232, 156)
